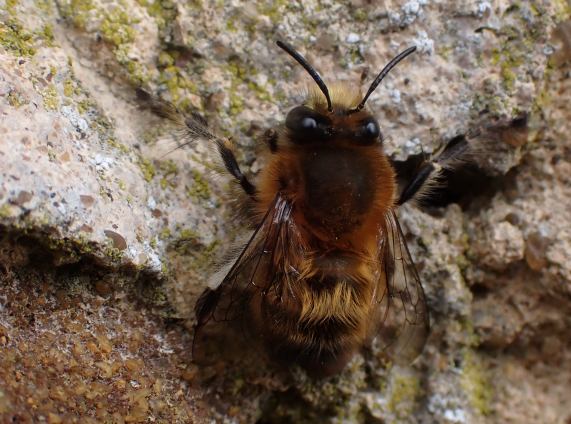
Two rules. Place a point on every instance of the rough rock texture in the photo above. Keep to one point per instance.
(106, 239)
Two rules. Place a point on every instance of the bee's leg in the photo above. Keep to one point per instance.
(196, 128)
(231, 165)
(271, 139)
(418, 181)
(454, 152)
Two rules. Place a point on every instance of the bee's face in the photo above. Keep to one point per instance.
(335, 117)
(308, 126)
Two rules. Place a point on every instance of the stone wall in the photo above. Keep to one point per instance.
(107, 239)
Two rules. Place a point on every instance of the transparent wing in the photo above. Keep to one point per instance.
(403, 322)
(226, 316)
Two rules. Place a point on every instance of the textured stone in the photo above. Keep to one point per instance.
(106, 239)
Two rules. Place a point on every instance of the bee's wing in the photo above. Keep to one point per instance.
(261, 269)
(403, 314)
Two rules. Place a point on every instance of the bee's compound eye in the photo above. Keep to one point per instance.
(371, 130)
(308, 123)
(367, 132)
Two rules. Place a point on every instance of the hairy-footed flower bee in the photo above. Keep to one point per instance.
(326, 269)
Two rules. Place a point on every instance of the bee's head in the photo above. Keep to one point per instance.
(313, 123)
(337, 114)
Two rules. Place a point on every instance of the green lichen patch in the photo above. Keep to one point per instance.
(11, 5)
(260, 92)
(508, 78)
(236, 103)
(116, 25)
(85, 105)
(156, 297)
(47, 34)
(117, 28)
(68, 88)
(525, 29)
(46, 6)
(204, 258)
(165, 60)
(562, 9)
(404, 391)
(165, 233)
(136, 73)
(176, 81)
(147, 169)
(273, 10)
(77, 12)
(199, 189)
(188, 234)
(117, 145)
(163, 11)
(113, 254)
(492, 102)
(16, 39)
(169, 171)
(5, 211)
(51, 97)
(187, 243)
(15, 99)
(360, 14)
(476, 383)
(241, 75)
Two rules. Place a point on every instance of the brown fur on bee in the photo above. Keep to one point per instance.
(327, 268)
(342, 192)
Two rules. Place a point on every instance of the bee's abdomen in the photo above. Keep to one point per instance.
(321, 348)
(323, 327)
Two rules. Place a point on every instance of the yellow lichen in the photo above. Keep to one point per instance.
(85, 105)
(147, 169)
(116, 28)
(163, 11)
(114, 254)
(51, 98)
(15, 99)
(476, 384)
(404, 392)
(165, 233)
(5, 211)
(169, 170)
(15, 38)
(188, 234)
(117, 145)
(165, 60)
(68, 88)
(200, 188)
(47, 33)
(273, 10)
(176, 82)
(77, 11)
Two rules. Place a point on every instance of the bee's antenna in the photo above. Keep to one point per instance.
(383, 74)
(301, 60)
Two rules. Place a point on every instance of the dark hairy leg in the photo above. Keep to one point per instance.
(454, 152)
(194, 128)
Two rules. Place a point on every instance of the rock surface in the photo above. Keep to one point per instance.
(106, 240)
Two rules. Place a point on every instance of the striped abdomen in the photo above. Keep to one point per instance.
(323, 320)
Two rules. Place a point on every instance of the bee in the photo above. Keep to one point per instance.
(326, 269)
